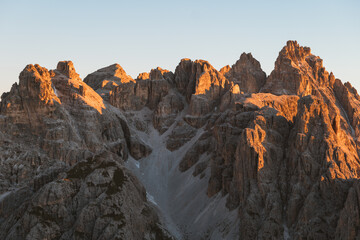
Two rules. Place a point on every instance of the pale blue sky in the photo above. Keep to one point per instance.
(140, 35)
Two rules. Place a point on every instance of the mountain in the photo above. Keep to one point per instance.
(192, 154)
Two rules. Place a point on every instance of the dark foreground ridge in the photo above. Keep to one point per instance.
(194, 154)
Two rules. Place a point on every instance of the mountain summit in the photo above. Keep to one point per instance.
(198, 153)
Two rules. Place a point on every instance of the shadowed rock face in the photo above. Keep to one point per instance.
(246, 73)
(97, 198)
(62, 175)
(280, 153)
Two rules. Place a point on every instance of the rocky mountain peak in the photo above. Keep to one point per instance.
(196, 77)
(246, 60)
(224, 70)
(36, 71)
(67, 68)
(117, 71)
(35, 83)
(113, 72)
(106, 79)
(247, 73)
(143, 76)
(297, 71)
(160, 74)
(32, 97)
(295, 52)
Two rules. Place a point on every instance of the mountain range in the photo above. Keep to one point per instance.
(197, 153)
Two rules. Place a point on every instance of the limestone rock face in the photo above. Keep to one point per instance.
(33, 96)
(147, 90)
(281, 158)
(96, 198)
(297, 71)
(160, 74)
(194, 154)
(200, 78)
(107, 78)
(202, 85)
(153, 90)
(247, 73)
(67, 68)
(50, 122)
(350, 100)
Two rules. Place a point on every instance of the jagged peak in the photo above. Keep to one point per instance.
(294, 51)
(114, 74)
(35, 84)
(205, 65)
(185, 60)
(36, 71)
(143, 76)
(246, 60)
(246, 56)
(115, 68)
(351, 89)
(225, 69)
(246, 72)
(67, 68)
(159, 74)
(297, 71)
(117, 71)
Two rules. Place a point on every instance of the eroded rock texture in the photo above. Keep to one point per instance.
(288, 162)
(281, 152)
(62, 154)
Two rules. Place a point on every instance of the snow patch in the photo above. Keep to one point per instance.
(4, 195)
(150, 198)
(137, 164)
(55, 92)
(286, 232)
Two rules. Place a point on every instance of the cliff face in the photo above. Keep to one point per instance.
(62, 155)
(198, 153)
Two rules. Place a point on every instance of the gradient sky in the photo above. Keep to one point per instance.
(141, 35)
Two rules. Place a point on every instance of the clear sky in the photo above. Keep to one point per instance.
(141, 35)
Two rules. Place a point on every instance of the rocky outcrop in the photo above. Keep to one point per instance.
(246, 73)
(198, 77)
(297, 71)
(350, 101)
(161, 74)
(33, 96)
(67, 68)
(153, 90)
(143, 92)
(107, 78)
(96, 198)
(181, 134)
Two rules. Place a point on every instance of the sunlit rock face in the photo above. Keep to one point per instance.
(298, 72)
(105, 79)
(192, 154)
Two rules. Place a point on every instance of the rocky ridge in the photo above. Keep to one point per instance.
(229, 154)
(62, 156)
